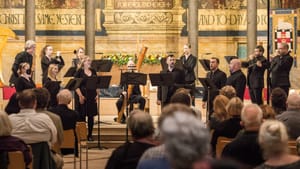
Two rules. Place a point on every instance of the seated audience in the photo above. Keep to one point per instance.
(273, 140)
(278, 100)
(268, 112)
(220, 113)
(127, 156)
(230, 127)
(228, 91)
(10, 143)
(245, 148)
(291, 117)
(298, 145)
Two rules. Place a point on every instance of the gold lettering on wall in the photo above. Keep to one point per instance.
(143, 4)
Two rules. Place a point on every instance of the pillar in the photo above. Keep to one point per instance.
(251, 26)
(193, 28)
(30, 20)
(90, 13)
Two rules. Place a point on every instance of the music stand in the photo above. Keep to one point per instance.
(70, 72)
(229, 58)
(205, 64)
(161, 80)
(102, 65)
(208, 85)
(131, 78)
(72, 85)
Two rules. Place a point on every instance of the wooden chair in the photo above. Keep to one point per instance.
(16, 160)
(69, 142)
(292, 144)
(82, 141)
(221, 143)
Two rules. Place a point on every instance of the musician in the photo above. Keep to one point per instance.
(79, 55)
(52, 84)
(280, 68)
(135, 97)
(87, 97)
(24, 80)
(255, 74)
(218, 77)
(165, 93)
(25, 56)
(237, 79)
(47, 59)
(189, 63)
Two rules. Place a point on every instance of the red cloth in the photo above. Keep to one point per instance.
(247, 94)
(8, 92)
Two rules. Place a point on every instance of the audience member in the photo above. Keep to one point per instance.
(228, 91)
(268, 112)
(247, 142)
(273, 140)
(278, 100)
(10, 143)
(127, 156)
(220, 113)
(230, 127)
(291, 117)
(237, 78)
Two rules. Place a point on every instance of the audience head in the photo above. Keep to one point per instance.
(64, 97)
(278, 100)
(268, 112)
(235, 65)
(251, 116)
(186, 139)
(273, 138)
(219, 107)
(140, 124)
(228, 91)
(52, 71)
(293, 101)
(27, 99)
(5, 124)
(181, 97)
(234, 107)
(42, 97)
(30, 46)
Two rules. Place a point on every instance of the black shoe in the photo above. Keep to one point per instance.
(90, 138)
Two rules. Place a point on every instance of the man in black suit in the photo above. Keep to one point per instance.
(189, 63)
(165, 93)
(255, 77)
(218, 77)
(237, 79)
(280, 68)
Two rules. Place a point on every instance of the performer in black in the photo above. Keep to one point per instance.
(165, 93)
(135, 97)
(47, 59)
(280, 68)
(51, 86)
(189, 63)
(218, 77)
(25, 56)
(87, 97)
(255, 75)
(237, 79)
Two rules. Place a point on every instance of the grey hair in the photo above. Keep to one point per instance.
(293, 101)
(64, 96)
(254, 120)
(140, 124)
(5, 124)
(29, 44)
(186, 139)
(273, 138)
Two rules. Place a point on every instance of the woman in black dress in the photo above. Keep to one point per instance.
(87, 96)
(52, 84)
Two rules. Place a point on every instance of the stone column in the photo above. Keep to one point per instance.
(251, 26)
(90, 13)
(193, 28)
(30, 20)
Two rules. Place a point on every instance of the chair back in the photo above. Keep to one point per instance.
(293, 147)
(221, 143)
(69, 139)
(81, 131)
(16, 160)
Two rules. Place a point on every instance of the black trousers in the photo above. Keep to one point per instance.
(133, 99)
(256, 95)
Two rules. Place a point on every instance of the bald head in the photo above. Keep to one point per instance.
(251, 116)
(235, 65)
(64, 97)
(293, 101)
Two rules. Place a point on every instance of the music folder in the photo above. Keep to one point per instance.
(102, 65)
(207, 83)
(229, 58)
(73, 83)
(205, 64)
(132, 78)
(70, 72)
(161, 79)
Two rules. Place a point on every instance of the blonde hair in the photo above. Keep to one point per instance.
(219, 106)
(234, 107)
(268, 112)
(21, 66)
(50, 75)
(228, 91)
(64, 96)
(84, 59)
(273, 138)
(5, 124)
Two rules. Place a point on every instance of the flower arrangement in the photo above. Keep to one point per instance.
(122, 59)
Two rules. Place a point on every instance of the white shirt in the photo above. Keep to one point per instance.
(33, 127)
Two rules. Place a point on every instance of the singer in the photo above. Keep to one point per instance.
(189, 63)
